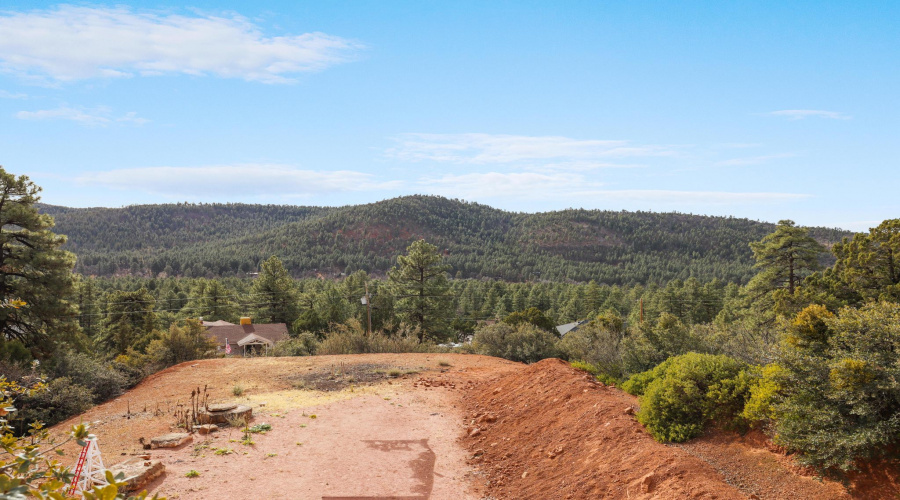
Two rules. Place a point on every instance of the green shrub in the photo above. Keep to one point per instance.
(303, 344)
(61, 399)
(838, 399)
(524, 342)
(100, 377)
(351, 338)
(238, 390)
(581, 365)
(690, 391)
(596, 345)
(532, 315)
(764, 391)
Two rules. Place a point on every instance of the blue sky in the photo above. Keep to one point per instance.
(766, 110)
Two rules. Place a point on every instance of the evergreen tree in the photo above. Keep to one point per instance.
(869, 264)
(784, 258)
(35, 275)
(129, 323)
(420, 285)
(276, 293)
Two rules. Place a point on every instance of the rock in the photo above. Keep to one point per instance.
(206, 428)
(524, 474)
(648, 482)
(497, 391)
(172, 440)
(138, 472)
(629, 410)
(221, 407)
(221, 417)
(475, 432)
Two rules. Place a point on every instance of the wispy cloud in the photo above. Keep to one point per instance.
(754, 160)
(800, 114)
(96, 117)
(499, 148)
(505, 185)
(240, 180)
(696, 197)
(576, 189)
(4, 94)
(70, 43)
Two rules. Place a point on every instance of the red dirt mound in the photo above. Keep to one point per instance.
(550, 431)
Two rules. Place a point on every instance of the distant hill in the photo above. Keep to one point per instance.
(478, 241)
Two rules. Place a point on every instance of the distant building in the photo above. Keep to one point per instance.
(245, 339)
(570, 327)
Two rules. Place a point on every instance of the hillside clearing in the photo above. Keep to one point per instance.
(423, 426)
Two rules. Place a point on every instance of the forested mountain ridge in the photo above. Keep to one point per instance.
(477, 240)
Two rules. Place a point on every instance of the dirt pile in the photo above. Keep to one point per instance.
(550, 431)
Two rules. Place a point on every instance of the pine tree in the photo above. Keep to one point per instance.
(35, 275)
(784, 258)
(420, 286)
(869, 264)
(276, 292)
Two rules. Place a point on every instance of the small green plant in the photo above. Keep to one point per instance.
(224, 451)
(260, 428)
(192, 473)
(581, 365)
(237, 390)
(248, 440)
(200, 448)
(394, 373)
(270, 455)
(444, 362)
(313, 416)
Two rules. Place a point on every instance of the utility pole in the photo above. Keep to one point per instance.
(369, 308)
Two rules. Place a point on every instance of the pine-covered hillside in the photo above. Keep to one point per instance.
(477, 240)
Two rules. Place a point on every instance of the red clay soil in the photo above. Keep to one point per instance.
(550, 431)
(451, 427)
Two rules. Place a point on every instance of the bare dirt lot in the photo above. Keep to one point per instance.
(430, 426)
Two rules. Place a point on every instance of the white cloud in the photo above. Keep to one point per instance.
(70, 43)
(506, 185)
(238, 180)
(696, 197)
(576, 189)
(4, 94)
(97, 117)
(754, 160)
(800, 114)
(500, 148)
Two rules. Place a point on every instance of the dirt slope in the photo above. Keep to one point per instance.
(435, 426)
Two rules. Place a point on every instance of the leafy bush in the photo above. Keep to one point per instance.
(839, 397)
(596, 345)
(690, 391)
(61, 399)
(764, 391)
(83, 370)
(524, 342)
(181, 343)
(532, 315)
(580, 365)
(650, 344)
(351, 338)
(304, 344)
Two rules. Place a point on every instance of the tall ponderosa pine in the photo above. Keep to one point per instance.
(420, 287)
(129, 323)
(212, 301)
(784, 258)
(33, 270)
(276, 294)
(869, 264)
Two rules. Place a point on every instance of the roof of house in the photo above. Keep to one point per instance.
(568, 327)
(216, 323)
(237, 334)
